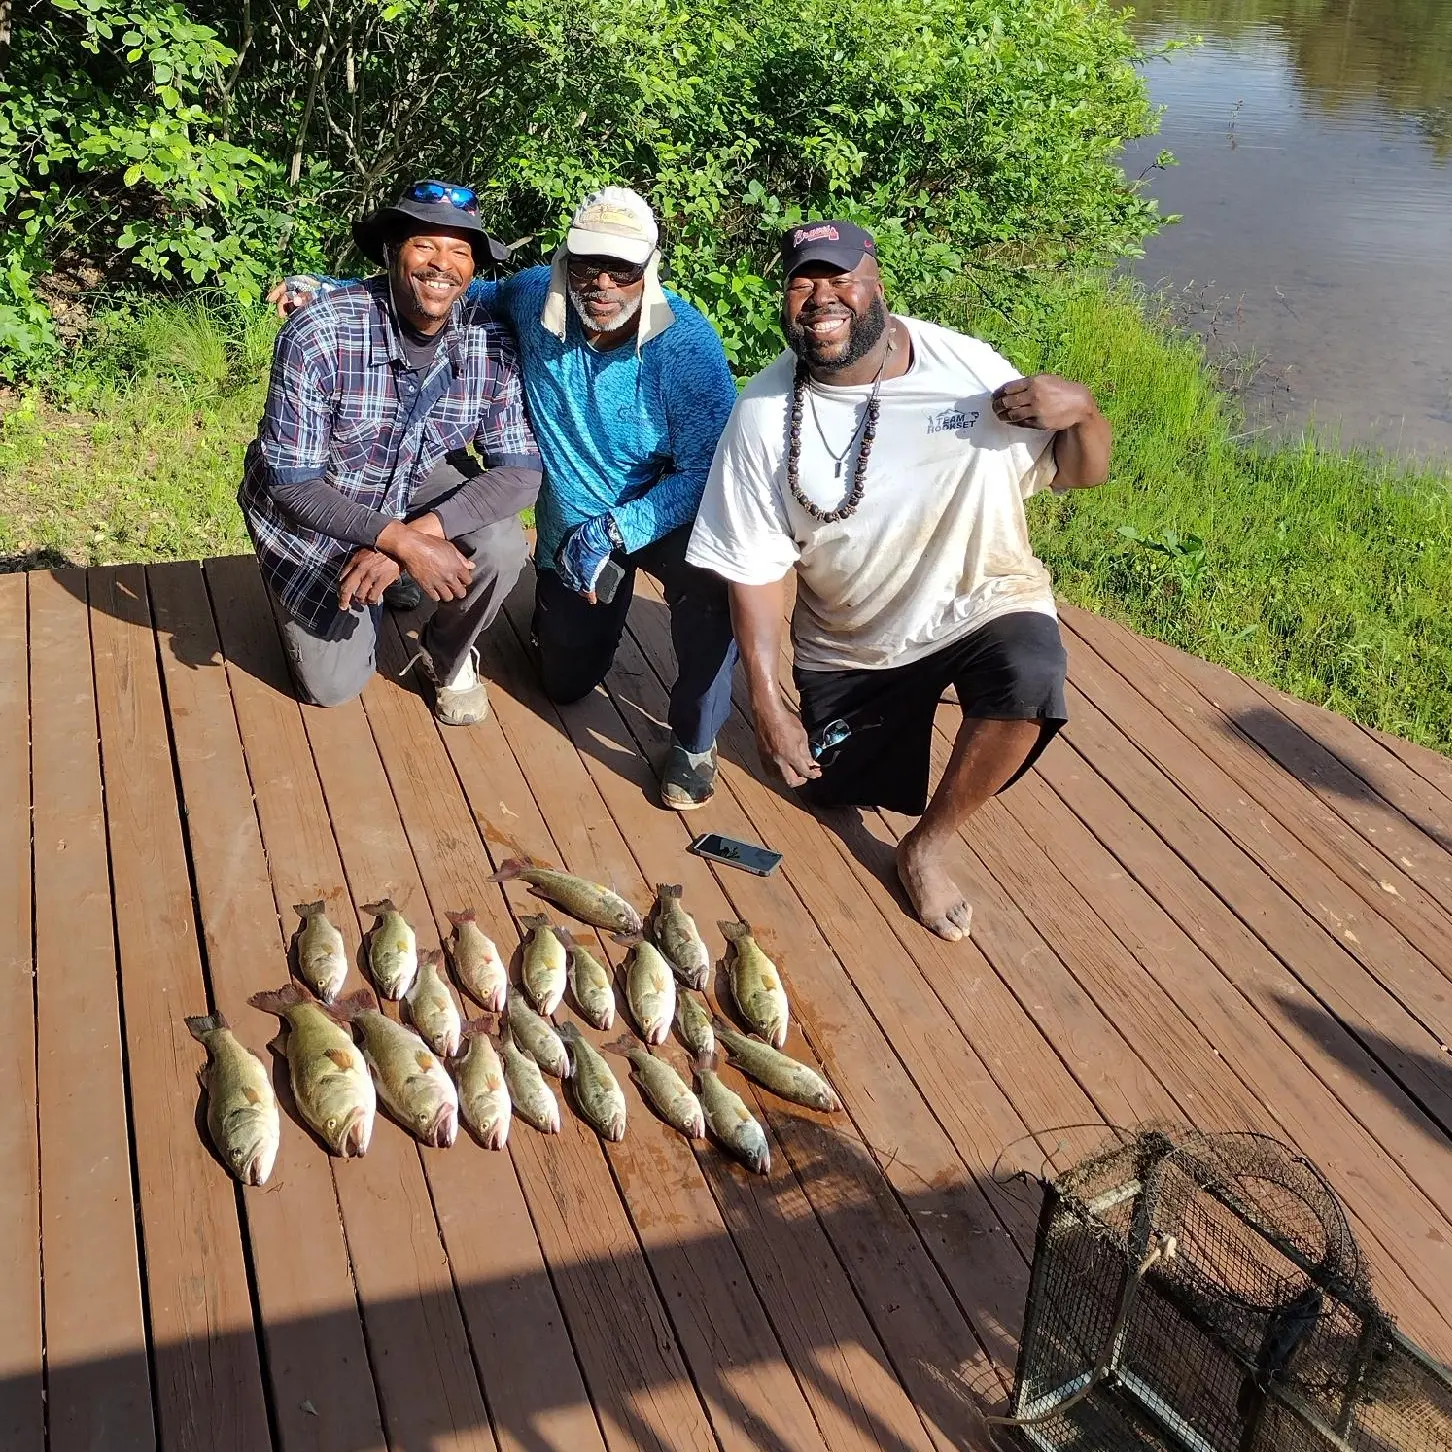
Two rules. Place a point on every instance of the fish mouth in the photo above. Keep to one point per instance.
(759, 1163)
(443, 1129)
(495, 1137)
(258, 1165)
(357, 1131)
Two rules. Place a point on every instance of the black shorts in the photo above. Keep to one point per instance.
(1011, 669)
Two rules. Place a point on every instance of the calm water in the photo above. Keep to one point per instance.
(1315, 179)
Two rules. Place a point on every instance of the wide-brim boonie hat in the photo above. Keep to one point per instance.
(407, 218)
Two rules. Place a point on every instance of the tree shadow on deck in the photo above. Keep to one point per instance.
(525, 1407)
(1416, 1081)
(1317, 765)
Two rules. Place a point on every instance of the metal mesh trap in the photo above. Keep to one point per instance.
(1204, 1293)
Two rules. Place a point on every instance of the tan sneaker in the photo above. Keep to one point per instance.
(462, 700)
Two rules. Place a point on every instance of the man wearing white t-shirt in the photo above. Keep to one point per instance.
(887, 460)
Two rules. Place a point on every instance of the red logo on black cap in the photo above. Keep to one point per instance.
(825, 233)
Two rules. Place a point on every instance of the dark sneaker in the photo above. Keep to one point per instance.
(403, 595)
(684, 787)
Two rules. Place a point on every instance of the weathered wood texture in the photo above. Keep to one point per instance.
(1210, 904)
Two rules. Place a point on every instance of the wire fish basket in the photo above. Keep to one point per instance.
(1204, 1293)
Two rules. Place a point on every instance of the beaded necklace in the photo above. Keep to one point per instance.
(868, 429)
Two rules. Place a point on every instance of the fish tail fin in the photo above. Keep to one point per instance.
(510, 868)
(306, 910)
(668, 891)
(346, 1009)
(205, 1023)
(733, 932)
(379, 908)
(568, 1032)
(465, 915)
(623, 1045)
(432, 956)
(567, 938)
(279, 1000)
(485, 1026)
(535, 921)
(706, 1063)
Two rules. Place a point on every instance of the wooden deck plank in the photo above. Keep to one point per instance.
(317, 1362)
(98, 1383)
(1418, 997)
(728, 1342)
(1392, 808)
(207, 1376)
(22, 1408)
(922, 1331)
(427, 1386)
(1354, 858)
(1425, 806)
(1432, 766)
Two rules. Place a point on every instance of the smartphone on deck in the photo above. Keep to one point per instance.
(746, 855)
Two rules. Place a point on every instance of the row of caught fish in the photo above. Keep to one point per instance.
(336, 1087)
(552, 960)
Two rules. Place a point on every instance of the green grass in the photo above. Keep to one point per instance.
(134, 453)
(1326, 573)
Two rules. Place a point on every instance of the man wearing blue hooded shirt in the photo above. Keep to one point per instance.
(628, 390)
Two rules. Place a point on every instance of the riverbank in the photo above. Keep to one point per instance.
(1325, 573)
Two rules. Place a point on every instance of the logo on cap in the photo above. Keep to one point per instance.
(825, 233)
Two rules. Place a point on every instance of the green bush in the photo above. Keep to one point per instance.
(189, 142)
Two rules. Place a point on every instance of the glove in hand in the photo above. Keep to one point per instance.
(583, 552)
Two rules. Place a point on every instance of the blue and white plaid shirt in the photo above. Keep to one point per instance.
(342, 405)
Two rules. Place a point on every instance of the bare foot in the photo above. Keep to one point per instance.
(935, 897)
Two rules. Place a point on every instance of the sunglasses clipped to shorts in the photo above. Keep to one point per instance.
(465, 199)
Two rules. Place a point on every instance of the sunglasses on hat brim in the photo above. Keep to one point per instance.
(462, 198)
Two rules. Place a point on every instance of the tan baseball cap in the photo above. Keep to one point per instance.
(613, 222)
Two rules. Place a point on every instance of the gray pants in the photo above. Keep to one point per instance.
(332, 670)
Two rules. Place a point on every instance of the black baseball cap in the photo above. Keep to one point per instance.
(844, 244)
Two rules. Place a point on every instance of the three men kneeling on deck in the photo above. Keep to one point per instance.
(884, 459)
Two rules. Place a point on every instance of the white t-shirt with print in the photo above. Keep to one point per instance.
(938, 546)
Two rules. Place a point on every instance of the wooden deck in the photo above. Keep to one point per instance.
(1211, 904)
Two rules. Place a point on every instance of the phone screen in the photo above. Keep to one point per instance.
(746, 855)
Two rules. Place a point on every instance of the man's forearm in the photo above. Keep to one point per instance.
(1081, 453)
(317, 506)
(756, 616)
(487, 498)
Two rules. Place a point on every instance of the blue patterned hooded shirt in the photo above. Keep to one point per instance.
(343, 405)
(626, 430)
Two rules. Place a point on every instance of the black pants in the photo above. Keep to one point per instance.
(1011, 669)
(576, 641)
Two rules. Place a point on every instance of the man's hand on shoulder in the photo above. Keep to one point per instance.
(293, 293)
(1044, 401)
(440, 570)
(1067, 409)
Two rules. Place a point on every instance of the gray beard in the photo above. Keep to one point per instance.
(630, 309)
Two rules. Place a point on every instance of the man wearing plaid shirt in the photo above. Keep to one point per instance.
(359, 472)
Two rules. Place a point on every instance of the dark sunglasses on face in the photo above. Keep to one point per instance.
(465, 199)
(623, 274)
